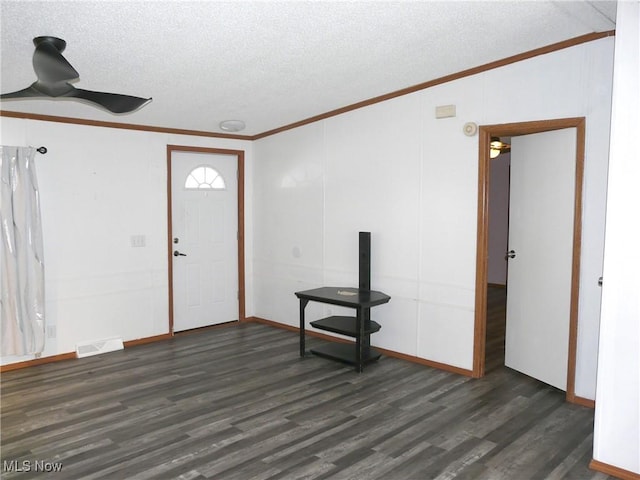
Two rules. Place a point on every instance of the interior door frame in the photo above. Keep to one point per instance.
(239, 154)
(480, 326)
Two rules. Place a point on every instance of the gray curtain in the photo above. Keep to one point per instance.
(21, 261)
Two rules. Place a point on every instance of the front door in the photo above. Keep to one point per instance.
(541, 220)
(204, 233)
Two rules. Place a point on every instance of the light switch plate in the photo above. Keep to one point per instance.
(138, 241)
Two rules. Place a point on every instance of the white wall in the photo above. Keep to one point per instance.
(393, 169)
(99, 186)
(617, 416)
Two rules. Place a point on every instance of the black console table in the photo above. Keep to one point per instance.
(360, 327)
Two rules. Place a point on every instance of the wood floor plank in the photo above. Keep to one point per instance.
(238, 403)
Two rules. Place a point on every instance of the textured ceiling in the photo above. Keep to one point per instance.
(270, 63)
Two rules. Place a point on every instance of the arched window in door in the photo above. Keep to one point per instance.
(204, 178)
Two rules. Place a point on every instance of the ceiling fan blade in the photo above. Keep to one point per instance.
(28, 92)
(49, 64)
(113, 102)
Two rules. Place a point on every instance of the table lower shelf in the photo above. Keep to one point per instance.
(345, 325)
(346, 353)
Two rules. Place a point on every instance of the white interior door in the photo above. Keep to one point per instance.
(541, 214)
(204, 193)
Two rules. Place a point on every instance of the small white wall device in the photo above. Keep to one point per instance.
(470, 129)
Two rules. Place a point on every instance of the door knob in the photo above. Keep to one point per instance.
(510, 254)
(178, 254)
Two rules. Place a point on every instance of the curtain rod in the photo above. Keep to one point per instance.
(42, 150)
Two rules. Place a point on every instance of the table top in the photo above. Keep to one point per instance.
(345, 296)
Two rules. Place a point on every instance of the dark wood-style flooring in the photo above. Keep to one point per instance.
(239, 403)
(496, 327)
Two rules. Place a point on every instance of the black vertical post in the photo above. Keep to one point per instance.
(364, 280)
(364, 254)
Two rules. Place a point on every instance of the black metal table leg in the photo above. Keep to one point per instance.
(359, 339)
(303, 304)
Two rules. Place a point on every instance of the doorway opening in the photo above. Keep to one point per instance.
(238, 156)
(481, 361)
(498, 229)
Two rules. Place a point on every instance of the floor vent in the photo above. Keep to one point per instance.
(97, 347)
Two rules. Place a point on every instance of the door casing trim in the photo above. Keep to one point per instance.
(239, 154)
(480, 324)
